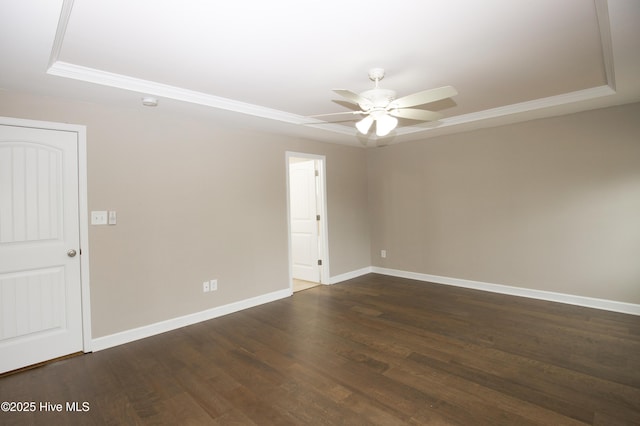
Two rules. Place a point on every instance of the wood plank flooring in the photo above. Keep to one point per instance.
(375, 350)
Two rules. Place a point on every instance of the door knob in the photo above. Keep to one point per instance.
(71, 253)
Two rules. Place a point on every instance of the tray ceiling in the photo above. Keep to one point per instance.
(273, 64)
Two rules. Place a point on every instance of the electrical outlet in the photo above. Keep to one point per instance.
(205, 287)
(213, 285)
(383, 253)
(99, 217)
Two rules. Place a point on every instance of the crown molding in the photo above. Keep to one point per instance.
(604, 25)
(61, 30)
(147, 87)
(513, 109)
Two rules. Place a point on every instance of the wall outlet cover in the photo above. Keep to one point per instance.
(99, 217)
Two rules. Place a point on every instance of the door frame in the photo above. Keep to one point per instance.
(83, 215)
(324, 222)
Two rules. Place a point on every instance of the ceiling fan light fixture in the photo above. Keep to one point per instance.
(385, 124)
(364, 125)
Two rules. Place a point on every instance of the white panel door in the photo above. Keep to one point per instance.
(40, 287)
(304, 223)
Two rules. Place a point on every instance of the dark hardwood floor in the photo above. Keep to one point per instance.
(373, 350)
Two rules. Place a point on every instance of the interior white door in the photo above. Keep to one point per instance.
(40, 286)
(304, 222)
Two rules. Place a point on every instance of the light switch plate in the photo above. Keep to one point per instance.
(99, 217)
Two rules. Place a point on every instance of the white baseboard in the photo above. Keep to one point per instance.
(589, 302)
(350, 275)
(127, 336)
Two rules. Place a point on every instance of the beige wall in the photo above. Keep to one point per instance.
(195, 201)
(551, 204)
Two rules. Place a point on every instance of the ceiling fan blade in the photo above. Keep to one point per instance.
(336, 113)
(415, 114)
(424, 97)
(352, 96)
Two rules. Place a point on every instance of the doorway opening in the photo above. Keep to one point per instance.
(307, 221)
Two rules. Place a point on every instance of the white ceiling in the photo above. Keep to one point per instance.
(269, 65)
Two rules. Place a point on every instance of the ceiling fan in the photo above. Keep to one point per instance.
(382, 107)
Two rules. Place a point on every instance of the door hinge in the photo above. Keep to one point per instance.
(319, 262)
(317, 217)
(317, 173)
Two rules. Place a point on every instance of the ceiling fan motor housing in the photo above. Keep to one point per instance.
(379, 98)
